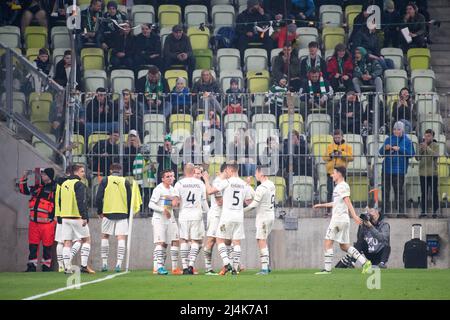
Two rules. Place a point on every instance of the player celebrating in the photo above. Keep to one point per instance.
(264, 201)
(339, 227)
(231, 224)
(165, 228)
(191, 195)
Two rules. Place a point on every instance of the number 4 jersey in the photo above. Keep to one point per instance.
(235, 191)
(192, 194)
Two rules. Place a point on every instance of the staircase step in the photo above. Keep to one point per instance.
(440, 58)
(437, 4)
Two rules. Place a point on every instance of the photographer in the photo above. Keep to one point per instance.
(372, 240)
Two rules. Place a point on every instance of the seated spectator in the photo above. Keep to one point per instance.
(164, 158)
(404, 110)
(57, 116)
(132, 114)
(360, 21)
(397, 150)
(63, 69)
(270, 159)
(90, 24)
(417, 28)
(284, 35)
(338, 154)
(428, 172)
(42, 63)
(9, 12)
(373, 240)
(122, 45)
(246, 23)
(287, 63)
(101, 115)
(348, 116)
(277, 96)
(391, 25)
(209, 90)
(366, 71)
(180, 97)
(313, 60)
(58, 16)
(304, 10)
(340, 69)
(35, 10)
(147, 48)
(104, 153)
(154, 87)
(108, 29)
(315, 93)
(234, 97)
(132, 148)
(178, 50)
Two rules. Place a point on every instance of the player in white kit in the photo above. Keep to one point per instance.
(165, 228)
(264, 202)
(231, 224)
(339, 228)
(191, 194)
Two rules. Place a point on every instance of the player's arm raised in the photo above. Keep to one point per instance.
(323, 205)
(352, 210)
(209, 189)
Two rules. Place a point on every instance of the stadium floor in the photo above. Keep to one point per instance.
(280, 284)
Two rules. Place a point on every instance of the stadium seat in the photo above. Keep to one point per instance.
(319, 145)
(318, 124)
(442, 142)
(32, 54)
(163, 33)
(255, 59)
(418, 58)
(265, 125)
(306, 35)
(242, 8)
(274, 53)
(395, 80)
(297, 124)
(122, 79)
(280, 189)
(196, 75)
(221, 2)
(94, 79)
(371, 148)
(423, 80)
(351, 11)
(194, 15)
(142, 14)
(430, 121)
(154, 127)
(35, 37)
(180, 121)
(235, 121)
(258, 81)
(395, 54)
(10, 36)
(443, 167)
(172, 75)
(331, 15)
(356, 142)
(226, 75)
(331, 36)
(222, 16)
(444, 190)
(228, 59)
(358, 166)
(60, 37)
(304, 53)
(96, 137)
(40, 106)
(92, 59)
(203, 58)
(303, 189)
(199, 39)
(359, 186)
(19, 102)
(169, 15)
(41, 147)
(58, 55)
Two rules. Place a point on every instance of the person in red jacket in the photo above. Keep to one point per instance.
(340, 69)
(42, 223)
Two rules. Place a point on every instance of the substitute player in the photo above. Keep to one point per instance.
(191, 194)
(165, 228)
(231, 224)
(264, 201)
(113, 207)
(339, 228)
(74, 214)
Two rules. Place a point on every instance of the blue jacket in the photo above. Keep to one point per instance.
(180, 99)
(307, 6)
(396, 162)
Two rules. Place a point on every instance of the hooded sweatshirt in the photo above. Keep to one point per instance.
(397, 162)
(366, 66)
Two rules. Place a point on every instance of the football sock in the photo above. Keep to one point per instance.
(120, 252)
(184, 253)
(356, 255)
(59, 254)
(223, 254)
(85, 250)
(328, 259)
(159, 256)
(155, 260)
(75, 248)
(230, 252)
(174, 256)
(104, 249)
(67, 258)
(208, 258)
(236, 256)
(264, 256)
(193, 253)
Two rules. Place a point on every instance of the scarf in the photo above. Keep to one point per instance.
(340, 65)
(316, 64)
(153, 89)
(92, 20)
(322, 86)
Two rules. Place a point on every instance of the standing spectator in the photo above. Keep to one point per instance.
(164, 157)
(340, 69)
(35, 10)
(178, 50)
(270, 158)
(287, 63)
(57, 116)
(404, 110)
(100, 113)
(104, 153)
(242, 149)
(63, 69)
(132, 148)
(313, 60)
(180, 97)
(209, 90)
(108, 28)
(302, 163)
(90, 24)
(368, 39)
(391, 24)
(417, 27)
(9, 12)
(338, 154)
(428, 171)
(132, 115)
(397, 149)
(246, 23)
(316, 92)
(277, 97)
(360, 21)
(147, 48)
(285, 35)
(154, 87)
(122, 45)
(366, 71)
(348, 116)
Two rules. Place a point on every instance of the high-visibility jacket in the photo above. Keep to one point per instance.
(72, 201)
(115, 197)
(42, 202)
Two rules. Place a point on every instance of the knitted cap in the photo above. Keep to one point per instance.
(50, 173)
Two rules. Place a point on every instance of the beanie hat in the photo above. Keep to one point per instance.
(252, 3)
(399, 126)
(112, 4)
(390, 5)
(50, 173)
(362, 50)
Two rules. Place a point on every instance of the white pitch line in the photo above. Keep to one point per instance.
(38, 296)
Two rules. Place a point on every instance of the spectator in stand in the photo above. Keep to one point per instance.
(287, 63)
(404, 110)
(36, 10)
(100, 113)
(209, 90)
(313, 60)
(391, 25)
(90, 24)
(122, 45)
(234, 97)
(148, 48)
(180, 97)
(348, 116)
(277, 96)
(270, 159)
(285, 35)
(340, 69)
(428, 171)
(304, 10)
(132, 115)
(10, 11)
(63, 69)
(164, 157)
(417, 28)
(366, 71)
(368, 39)
(242, 149)
(132, 148)
(246, 28)
(42, 62)
(57, 116)
(108, 29)
(154, 87)
(178, 50)
(397, 149)
(104, 153)
(316, 92)
(58, 16)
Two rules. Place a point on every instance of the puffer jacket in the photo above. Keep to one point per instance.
(332, 162)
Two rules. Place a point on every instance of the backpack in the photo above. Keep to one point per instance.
(224, 38)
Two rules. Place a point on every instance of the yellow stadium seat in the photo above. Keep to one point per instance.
(418, 58)
(351, 12)
(92, 59)
(96, 137)
(180, 121)
(331, 36)
(32, 54)
(43, 126)
(169, 15)
(444, 189)
(199, 39)
(258, 81)
(172, 75)
(78, 140)
(35, 37)
(319, 145)
(359, 186)
(252, 181)
(444, 167)
(297, 124)
(40, 106)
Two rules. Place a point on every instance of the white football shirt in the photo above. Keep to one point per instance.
(265, 196)
(191, 192)
(215, 209)
(340, 209)
(235, 191)
(162, 197)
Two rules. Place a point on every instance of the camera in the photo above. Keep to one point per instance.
(365, 216)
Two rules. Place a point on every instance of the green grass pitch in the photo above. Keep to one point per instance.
(280, 284)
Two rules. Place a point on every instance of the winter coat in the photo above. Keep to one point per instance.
(428, 161)
(397, 162)
(337, 161)
(278, 67)
(333, 67)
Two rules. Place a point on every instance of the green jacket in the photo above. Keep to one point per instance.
(428, 160)
(365, 65)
